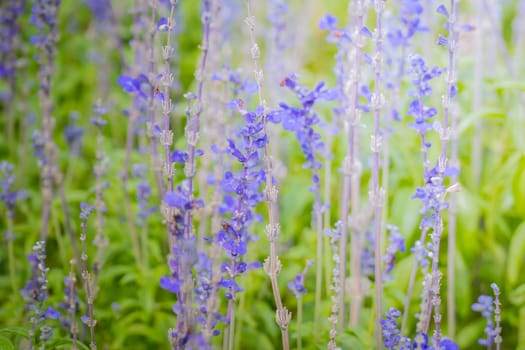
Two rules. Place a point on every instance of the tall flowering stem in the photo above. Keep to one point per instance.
(166, 135)
(89, 319)
(10, 198)
(352, 176)
(422, 114)
(35, 292)
(335, 236)
(272, 265)
(377, 194)
(192, 128)
(10, 42)
(497, 315)
(156, 162)
(44, 15)
(444, 131)
(302, 121)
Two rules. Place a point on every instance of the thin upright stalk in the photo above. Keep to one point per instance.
(46, 68)
(410, 288)
(413, 272)
(272, 265)
(11, 253)
(445, 134)
(86, 278)
(231, 330)
(156, 162)
(352, 179)
(451, 254)
(377, 193)
(192, 129)
(477, 140)
(326, 217)
(299, 323)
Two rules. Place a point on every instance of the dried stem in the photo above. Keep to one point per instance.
(192, 128)
(377, 193)
(88, 287)
(272, 265)
(352, 180)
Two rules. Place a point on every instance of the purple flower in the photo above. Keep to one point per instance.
(176, 199)
(485, 306)
(7, 195)
(179, 156)
(85, 210)
(51, 313)
(170, 284)
(396, 244)
(442, 40)
(297, 285)
(328, 22)
(133, 85)
(162, 25)
(390, 330)
(442, 10)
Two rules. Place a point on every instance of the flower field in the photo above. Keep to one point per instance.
(240, 174)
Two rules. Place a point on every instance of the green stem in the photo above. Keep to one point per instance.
(231, 334)
(299, 323)
(11, 255)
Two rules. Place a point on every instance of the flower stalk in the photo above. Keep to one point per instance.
(272, 265)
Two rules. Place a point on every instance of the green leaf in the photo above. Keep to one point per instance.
(60, 343)
(5, 344)
(516, 254)
(15, 331)
(517, 296)
(463, 286)
(468, 334)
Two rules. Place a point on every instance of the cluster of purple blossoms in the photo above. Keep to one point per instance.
(432, 192)
(10, 12)
(71, 302)
(393, 340)
(35, 293)
(396, 244)
(391, 333)
(302, 120)
(143, 194)
(297, 285)
(43, 14)
(73, 134)
(9, 196)
(410, 12)
(422, 75)
(485, 306)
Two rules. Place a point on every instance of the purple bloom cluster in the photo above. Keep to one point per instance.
(297, 285)
(10, 12)
(410, 12)
(73, 134)
(143, 194)
(422, 75)
(35, 292)
(396, 243)
(302, 120)
(391, 332)
(71, 303)
(395, 246)
(485, 306)
(9, 196)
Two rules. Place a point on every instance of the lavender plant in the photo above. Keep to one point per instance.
(219, 163)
